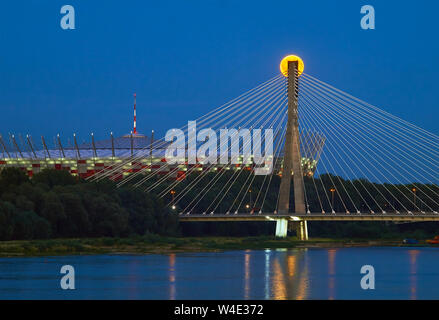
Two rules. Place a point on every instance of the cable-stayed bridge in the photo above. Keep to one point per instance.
(333, 157)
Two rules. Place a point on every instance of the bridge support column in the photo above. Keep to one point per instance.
(304, 230)
(281, 228)
(301, 228)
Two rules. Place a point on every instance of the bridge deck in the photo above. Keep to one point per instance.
(415, 217)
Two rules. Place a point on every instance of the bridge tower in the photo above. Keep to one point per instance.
(292, 160)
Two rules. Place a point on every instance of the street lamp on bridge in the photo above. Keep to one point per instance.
(414, 198)
(332, 197)
(172, 192)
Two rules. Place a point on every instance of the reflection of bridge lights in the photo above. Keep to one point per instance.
(278, 282)
(172, 279)
(413, 254)
(267, 273)
(247, 275)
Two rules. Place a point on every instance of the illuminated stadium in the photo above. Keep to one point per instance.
(86, 159)
(123, 155)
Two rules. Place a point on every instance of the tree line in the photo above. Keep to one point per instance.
(55, 204)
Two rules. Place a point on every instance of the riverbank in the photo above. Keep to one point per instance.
(163, 245)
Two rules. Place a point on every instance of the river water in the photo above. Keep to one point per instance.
(400, 273)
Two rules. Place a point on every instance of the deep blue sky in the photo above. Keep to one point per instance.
(184, 58)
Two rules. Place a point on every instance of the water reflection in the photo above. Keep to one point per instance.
(413, 256)
(267, 274)
(278, 281)
(247, 256)
(133, 279)
(314, 273)
(172, 276)
(289, 277)
(331, 273)
(281, 274)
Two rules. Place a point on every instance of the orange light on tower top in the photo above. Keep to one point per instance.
(284, 64)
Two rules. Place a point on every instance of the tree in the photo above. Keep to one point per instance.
(53, 178)
(28, 225)
(53, 211)
(77, 222)
(11, 177)
(6, 225)
(106, 217)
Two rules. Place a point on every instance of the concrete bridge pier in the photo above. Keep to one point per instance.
(283, 226)
(301, 228)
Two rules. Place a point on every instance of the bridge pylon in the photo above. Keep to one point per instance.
(292, 159)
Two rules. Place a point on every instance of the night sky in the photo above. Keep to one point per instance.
(184, 58)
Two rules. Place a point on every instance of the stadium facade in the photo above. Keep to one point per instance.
(136, 152)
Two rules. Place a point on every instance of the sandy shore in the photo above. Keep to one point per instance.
(165, 245)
